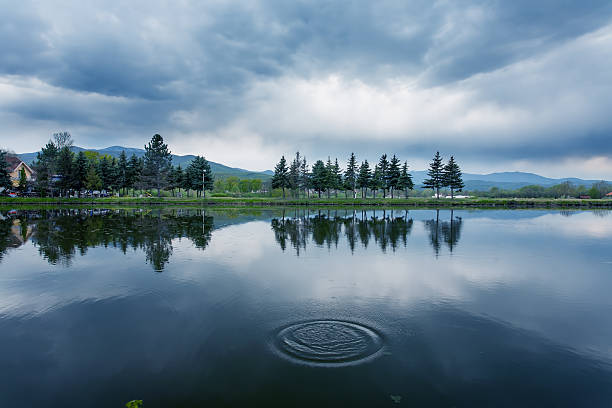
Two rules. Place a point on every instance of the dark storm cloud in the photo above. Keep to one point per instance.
(127, 69)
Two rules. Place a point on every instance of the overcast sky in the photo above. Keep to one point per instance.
(502, 85)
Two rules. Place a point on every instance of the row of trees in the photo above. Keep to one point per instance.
(59, 169)
(387, 175)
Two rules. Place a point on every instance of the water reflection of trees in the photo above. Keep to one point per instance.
(61, 234)
(386, 228)
(444, 231)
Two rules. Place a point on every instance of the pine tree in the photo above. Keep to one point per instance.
(319, 177)
(134, 172)
(377, 180)
(337, 176)
(157, 163)
(199, 176)
(330, 179)
(305, 178)
(105, 172)
(364, 178)
(350, 175)
(452, 176)
(122, 172)
(294, 174)
(5, 176)
(435, 174)
(394, 174)
(281, 175)
(81, 166)
(178, 178)
(65, 170)
(405, 180)
(383, 169)
(45, 167)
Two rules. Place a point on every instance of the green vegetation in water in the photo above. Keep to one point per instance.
(134, 404)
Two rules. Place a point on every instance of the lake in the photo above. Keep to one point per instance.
(187, 308)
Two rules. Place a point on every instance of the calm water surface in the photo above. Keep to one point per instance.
(189, 308)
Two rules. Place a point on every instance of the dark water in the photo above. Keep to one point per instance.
(185, 308)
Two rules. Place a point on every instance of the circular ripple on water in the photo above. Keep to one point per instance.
(328, 342)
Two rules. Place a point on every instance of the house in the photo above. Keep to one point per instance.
(609, 195)
(15, 164)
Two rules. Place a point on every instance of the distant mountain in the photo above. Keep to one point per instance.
(473, 182)
(218, 169)
(509, 180)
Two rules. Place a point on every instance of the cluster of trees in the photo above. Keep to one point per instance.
(444, 175)
(563, 190)
(234, 184)
(387, 175)
(59, 170)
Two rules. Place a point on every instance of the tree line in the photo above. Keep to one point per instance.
(59, 171)
(387, 176)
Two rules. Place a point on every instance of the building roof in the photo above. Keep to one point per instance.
(609, 194)
(14, 162)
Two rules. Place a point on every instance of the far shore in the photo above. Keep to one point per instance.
(339, 201)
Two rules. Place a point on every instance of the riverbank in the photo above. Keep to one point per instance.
(267, 201)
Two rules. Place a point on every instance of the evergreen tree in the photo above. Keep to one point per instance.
(383, 169)
(45, 167)
(319, 177)
(105, 172)
(405, 180)
(452, 176)
(364, 178)
(304, 178)
(65, 170)
(177, 178)
(435, 174)
(337, 176)
(330, 179)
(350, 175)
(134, 171)
(281, 175)
(294, 174)
(81, 166)
(394, 174)
(199, 176)
(5, 176)
(377, 180)
(23, 181)
(157, 163)
(122, 172)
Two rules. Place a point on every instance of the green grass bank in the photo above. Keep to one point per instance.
(266, 201)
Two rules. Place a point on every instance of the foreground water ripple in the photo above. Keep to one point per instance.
(328, 342)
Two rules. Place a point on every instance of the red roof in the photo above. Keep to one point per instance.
(609, 194)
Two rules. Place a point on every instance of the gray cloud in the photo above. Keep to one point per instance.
(518, 81)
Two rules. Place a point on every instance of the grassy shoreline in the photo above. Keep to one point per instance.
(278, 202)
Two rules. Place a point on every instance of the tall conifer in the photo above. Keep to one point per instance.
(435, 174)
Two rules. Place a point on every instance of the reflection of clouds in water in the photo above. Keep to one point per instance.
(238, 246)
(503, 268)
(588, 224)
